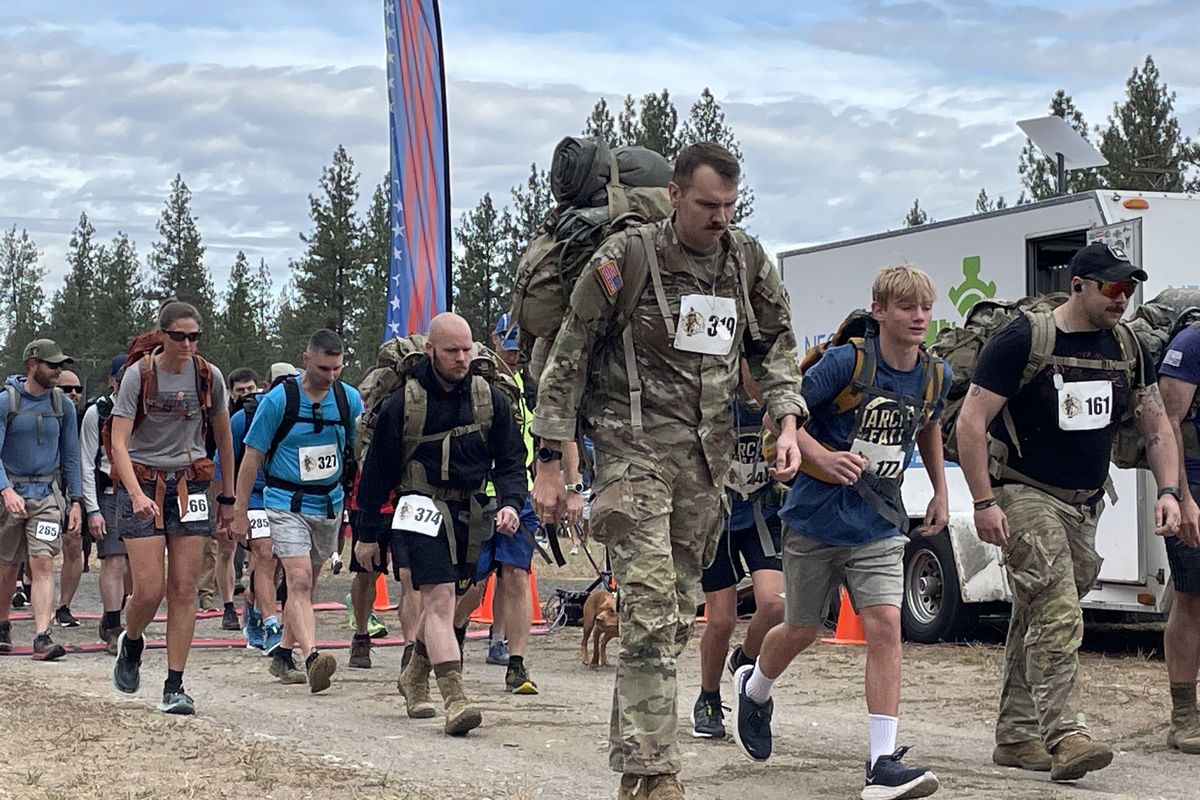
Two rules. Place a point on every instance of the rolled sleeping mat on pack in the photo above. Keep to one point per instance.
(581, 169)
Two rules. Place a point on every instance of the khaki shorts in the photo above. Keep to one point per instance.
(39, 533)
(873, 574)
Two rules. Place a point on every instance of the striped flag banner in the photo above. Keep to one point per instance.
(419, 269)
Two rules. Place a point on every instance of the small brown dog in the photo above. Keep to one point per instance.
(599, 619)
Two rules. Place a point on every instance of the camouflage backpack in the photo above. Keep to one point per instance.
(1155, 323)
(397, 358)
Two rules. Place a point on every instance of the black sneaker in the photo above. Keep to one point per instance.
(360, 651)
(708, 719)
(229, 620)
(20, 599)
(517, 680)
(891, 780)
(126, 671)
(64, 618)
(177, 702)
(5, 636)
(44, 649)
(737, 659)
(751, 720)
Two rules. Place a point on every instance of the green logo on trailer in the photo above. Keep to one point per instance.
(964, 295)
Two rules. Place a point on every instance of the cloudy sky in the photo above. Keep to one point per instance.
(846, 111)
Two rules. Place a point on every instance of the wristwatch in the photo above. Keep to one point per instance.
(225, 500)
(546, 455)
(1171, 490)
(574, 488)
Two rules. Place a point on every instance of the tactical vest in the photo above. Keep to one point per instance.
(15, 410)
(879, 485)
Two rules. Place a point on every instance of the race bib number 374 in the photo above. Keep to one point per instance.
(417, 514)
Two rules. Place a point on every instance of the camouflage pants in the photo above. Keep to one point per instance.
(1051, 562)
(660, 519)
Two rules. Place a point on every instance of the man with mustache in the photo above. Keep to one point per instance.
(1049, 384)
(646, 361)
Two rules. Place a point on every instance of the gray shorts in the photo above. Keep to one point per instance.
(112, 544)
(873, 573)
(294, 535)
(38, 533)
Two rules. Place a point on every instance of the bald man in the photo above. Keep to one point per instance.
(439, 515)
(72, 543)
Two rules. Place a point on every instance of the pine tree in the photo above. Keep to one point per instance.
(241, 339)
(483, 237)
(1143, 144)
(984, 204)
(123, 312)
(73, 311)
(371, 309)
(629, 125)
(916, 216)
(601, 125)
(1039, 171)
(327, 275)
(706, 123)
(22, 301)
(177, 262)
(658, 123)
(532, 200)
(266, 306)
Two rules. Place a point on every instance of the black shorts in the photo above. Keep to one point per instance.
(1185, 564)
(391, 543)
(740, 553)
(429, 556)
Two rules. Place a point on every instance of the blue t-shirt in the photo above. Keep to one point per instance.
(833, 513)
(318, 454)
(749, 470)
(1182, 362)
(237, 427)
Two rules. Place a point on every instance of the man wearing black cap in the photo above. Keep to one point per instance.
(39, 449)
(1034, 434)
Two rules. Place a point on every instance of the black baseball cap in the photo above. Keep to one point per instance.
(1105, 262)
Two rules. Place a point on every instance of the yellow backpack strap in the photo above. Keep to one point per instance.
(849, 397)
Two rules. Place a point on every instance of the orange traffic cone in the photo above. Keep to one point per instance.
(537, 619)
(849, 628)
(382, 603)
(483, 613)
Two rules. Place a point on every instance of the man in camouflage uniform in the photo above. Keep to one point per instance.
(1034, 445)
(653, 394)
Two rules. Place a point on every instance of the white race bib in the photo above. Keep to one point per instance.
(260, 528)
(883, 460)
(418, 514)
(195, 508)
(706, 324)
(318, 463)
(1084, 405)
(45, 531)
(748, 472)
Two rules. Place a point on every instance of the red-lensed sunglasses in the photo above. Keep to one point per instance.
(1114, 289)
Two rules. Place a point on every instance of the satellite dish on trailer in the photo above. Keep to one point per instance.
(1063, 144)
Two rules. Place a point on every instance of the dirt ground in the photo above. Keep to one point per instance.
(66, 733)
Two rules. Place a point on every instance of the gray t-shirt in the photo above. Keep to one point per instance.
(169, 438)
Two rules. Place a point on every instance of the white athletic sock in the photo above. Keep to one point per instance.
(758, 686)
(271, 620)
(881, 731)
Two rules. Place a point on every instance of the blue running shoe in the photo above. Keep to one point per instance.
(255, 635)
(888, 779)
(272, 636)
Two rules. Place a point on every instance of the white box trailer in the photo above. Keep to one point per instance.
(1008, 254)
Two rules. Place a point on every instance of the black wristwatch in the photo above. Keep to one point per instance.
(224, 500)
(1171, 490)
(546, 455)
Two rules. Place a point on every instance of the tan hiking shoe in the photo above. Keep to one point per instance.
(1031, 755)
(663, 787)
(283, 666)
(1076, 756)
(1184, 733)
(461, 714)
(413, 685)
(320, 668)
(632, 787)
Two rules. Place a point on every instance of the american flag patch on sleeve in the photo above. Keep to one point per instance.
(610, 277)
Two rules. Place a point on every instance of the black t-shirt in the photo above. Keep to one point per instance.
(1067, 459)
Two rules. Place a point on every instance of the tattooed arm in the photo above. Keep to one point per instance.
(1163, 454)
(979, 408)
(1177, 395)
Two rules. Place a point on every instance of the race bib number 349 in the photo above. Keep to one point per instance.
(417, 514)
(706, 324)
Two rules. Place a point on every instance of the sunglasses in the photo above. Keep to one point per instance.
(72, 389)
(1114, 289)
(180, 336)
(59, 366)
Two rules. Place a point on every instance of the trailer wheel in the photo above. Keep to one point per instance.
(933, 609)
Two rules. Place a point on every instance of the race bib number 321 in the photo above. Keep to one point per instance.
(318, 463)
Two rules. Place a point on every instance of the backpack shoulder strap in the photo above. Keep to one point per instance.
(1131, 351)
(416, 409)
(749, 256)
(14, 402)
(641, 262)
(291, 413)
(482, 410)
(1043, 334)
(148, 372)
(343, 406)
(646, 237)
(56, 402)
(865, 365)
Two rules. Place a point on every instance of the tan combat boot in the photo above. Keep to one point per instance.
(1184, 733)
(1031, 755)
(461, 714)
(663, 787)
(1077, 755)
(413, 685)
(632, 788)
